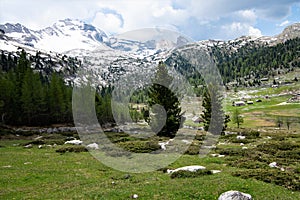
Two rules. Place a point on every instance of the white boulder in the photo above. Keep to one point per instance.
(240, 137)
(94, 146)
(77, 142)
(192, 168)
(234, 195)
(273, 165)
(163, 145)
(215, 171)
(28, 146)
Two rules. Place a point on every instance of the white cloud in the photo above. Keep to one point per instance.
(254, 31)
(201, 19)
(247, 15)
(286, 22)
(110, 23)
(237, 29)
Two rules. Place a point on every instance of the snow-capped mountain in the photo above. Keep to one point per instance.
(109, 58)
(62, 36)
(145, 42)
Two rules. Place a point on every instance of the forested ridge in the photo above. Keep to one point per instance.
(246, 66)
(254, 62)
(34, 92)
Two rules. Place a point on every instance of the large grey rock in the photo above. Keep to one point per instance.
(234, 195)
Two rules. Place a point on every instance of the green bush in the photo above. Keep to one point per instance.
(35, 142)
(231, 151)
(52, 142)
(74, 148)
(140, 146)
(116, 137)
(275, 176)
(295, 154)
(200, 137)
(273, 147)
(192, 150)
(245, 141)
(248, 163)
(188, 174)
(251, 134)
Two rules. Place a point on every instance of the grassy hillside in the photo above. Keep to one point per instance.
(45, 174)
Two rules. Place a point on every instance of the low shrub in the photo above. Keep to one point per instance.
(192, 150)
(188, 174)
(200, 137)
(74, 148)
(273, 147)
(140, 146)
(52, 142)
(248, 164)
(231, 151)
(275, 176)
(251, 134)
(117, 153)
(117, 137)
(35, 142)
(295, 154)
(245, 141)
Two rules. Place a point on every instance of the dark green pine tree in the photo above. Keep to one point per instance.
(57, 101)
(169, 105)
(213, 115)
(32, 98)
(206, 104)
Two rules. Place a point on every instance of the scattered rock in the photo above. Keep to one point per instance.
(240, 137)
(244, 147)
(234, 195)
(217, 155)
(127, 176)
(192, 168)
(215, 171)
(49, 130)
(135, 196)
(242, 144)
(38, 138)
(28, 146)
(164, 144)
(186, 141)
(273, 165)
(40, 146)
(94, 146)
(77, 142)
(27, 163)
(7, 166)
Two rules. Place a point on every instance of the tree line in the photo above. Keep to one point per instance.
(33, 94)
(30, 98)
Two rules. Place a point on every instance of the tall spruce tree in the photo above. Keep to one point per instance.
(32, 97)
(213, 115)
(237, 118)
(57, 101)
(160, 94)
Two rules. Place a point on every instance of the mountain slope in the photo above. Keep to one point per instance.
(62, 36)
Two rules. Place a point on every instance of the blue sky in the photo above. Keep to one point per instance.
(198, 19)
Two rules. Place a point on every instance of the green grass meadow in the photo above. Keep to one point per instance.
(45, 174)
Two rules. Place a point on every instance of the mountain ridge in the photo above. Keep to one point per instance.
(69, 34)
